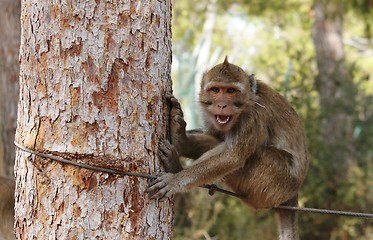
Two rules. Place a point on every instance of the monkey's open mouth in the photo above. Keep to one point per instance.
(223, 119)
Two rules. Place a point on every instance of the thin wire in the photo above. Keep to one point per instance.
(83, 165)
(368, 216)
(212, 187)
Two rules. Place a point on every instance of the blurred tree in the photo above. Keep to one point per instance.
(335, 86)
(337, 100)
(10, 34)
(7, 208)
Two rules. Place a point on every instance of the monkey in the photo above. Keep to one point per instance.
(252, 140)
(7, 187)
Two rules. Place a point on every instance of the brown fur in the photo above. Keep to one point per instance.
(6, 208)
(253, 140)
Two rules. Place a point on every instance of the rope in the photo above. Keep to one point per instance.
(211, 187)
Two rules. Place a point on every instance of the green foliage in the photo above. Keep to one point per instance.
(200, 216)
(189, 17)
(272, 40)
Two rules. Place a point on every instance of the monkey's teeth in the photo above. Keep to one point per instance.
(222, 119)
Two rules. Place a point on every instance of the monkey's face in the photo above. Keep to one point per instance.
(222, 103)
(226, 91)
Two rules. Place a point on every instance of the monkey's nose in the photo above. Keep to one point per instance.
(222, 106)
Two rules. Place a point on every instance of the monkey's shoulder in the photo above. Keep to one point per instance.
(273, 101)
(266, 92)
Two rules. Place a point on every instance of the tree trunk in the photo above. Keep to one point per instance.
(334, 83)
(93, 76)
(9, 71)
(337, 100)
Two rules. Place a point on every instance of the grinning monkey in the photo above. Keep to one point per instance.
(253, 141)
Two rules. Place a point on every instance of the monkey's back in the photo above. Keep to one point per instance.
(285, 128)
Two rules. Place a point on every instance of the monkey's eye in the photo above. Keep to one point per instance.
(215, 89)
(206, 102)
(231, 90)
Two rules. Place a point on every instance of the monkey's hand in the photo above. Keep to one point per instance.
(169, 157)
(177, 123)
(164, 186)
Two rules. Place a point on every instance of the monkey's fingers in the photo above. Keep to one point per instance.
(158, 190)
(165, 150)
(164, 145)
(179, 119)
(162, 180)
(162, 155)
(173, 100)
(168, 95)
(154, 184)
(169, 157)
(155, 194)
(165, 161)
(161, 194)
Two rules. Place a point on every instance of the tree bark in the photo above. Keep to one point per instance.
(92, 79)
(9, 70)
(334, 84)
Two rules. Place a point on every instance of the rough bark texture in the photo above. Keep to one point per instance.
(9, 71)
(93, 76)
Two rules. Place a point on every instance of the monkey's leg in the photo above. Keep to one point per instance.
(269, 178)
(191, 144)
(273, 177)
(169, 157)
(287, 221)
(177, 123)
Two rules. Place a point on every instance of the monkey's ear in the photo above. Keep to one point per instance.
(253, 84)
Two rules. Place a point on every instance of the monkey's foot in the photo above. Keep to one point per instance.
(169, 157)
(177, 123)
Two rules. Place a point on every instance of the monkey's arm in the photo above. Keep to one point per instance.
(211, 166)
(169, 156)
(192, 143)
(197, 143)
